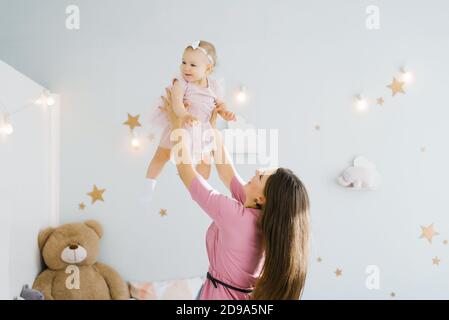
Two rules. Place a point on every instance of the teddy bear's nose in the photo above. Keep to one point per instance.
(73, 247)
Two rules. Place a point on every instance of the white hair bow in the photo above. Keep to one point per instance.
(196, 45)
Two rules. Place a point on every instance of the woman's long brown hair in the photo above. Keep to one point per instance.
(284, 222)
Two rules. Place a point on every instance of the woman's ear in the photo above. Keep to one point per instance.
(261, 200)
(96, 226)
(43, 237)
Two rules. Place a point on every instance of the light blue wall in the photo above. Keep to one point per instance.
(302, 62)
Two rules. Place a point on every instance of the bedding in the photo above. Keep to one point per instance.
(176, 289)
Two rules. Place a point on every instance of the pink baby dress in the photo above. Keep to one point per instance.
(202, 103)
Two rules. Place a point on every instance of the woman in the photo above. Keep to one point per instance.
(258, 241)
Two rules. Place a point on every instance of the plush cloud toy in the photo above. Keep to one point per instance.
(362, 175)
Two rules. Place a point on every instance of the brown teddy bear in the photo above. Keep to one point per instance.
(70, 253)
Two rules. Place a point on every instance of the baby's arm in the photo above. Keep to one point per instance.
(178, 104)
(224, 112)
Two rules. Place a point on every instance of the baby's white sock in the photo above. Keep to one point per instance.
(149, 186)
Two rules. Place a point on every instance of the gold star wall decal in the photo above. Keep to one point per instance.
(319, 260)
(163, 212)
(396, 86)
(132, 122)
(380, 101)
(338, 273)
(82, 206)
(428, 233)
(96, 194)
(436, 261)
(445, 242)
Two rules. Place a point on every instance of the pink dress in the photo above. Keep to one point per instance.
(233, 240)
(202, 103)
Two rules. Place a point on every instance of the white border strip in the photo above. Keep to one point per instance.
(54, 159)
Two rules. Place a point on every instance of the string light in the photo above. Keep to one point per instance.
(6, 126)
(39, 101)
(45, 99)
(135, 142)
(361, 104)
(241, 95)
(50, 101)
(407, 76)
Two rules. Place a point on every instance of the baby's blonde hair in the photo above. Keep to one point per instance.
(210, 49)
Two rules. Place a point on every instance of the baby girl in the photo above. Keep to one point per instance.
(192, 88)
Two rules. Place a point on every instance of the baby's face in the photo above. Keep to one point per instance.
(195, 65)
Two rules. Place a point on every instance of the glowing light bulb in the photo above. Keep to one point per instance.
(361, 104)
(241, 95)
(45, 99)
(50, 101)
(7, 129)
(39, 101)
(135, 143)
(407, 76)
(5, 126)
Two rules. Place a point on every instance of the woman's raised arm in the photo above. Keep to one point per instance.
(223, 161)
(183, 159)
(223, 210)
(180, 150)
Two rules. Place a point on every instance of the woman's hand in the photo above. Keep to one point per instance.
(189, 120)
(220, 108)
(168, 109)
(175, 121)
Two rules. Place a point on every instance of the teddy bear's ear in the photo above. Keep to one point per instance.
(43, 237)
(96, 226)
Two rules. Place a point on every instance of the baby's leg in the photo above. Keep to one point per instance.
(204, 167)
(160, 158)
